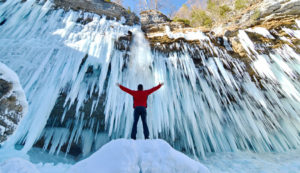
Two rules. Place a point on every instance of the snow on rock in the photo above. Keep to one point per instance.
(13, 104)
(129, 156)
(262, 31)
(17, 165)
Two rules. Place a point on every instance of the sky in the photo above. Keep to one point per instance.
(133, 4)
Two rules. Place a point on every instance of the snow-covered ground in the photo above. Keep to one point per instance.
(17, 165)
(129, 156)
(22, 165)
(246, 162)
(150, 156)
(118, 156)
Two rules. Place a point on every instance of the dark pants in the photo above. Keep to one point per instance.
(140, 111)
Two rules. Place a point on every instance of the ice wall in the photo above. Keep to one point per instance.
(209, 108)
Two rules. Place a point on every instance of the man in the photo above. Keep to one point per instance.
(140, 104)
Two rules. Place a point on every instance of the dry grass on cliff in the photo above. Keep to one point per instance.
(217, 13)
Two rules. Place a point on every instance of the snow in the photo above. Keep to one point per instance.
(262, 31)
(17, 165)
(122, 155)
(246, 42)
(17, 91)
(52, 168)
(130, 156)
(155, 156)
(22, 164)
(285, 39)
(189, 35)
(298, 23)
(10, 76)
(247, 162)
(292, 33)
(197, 35)
(226, 162)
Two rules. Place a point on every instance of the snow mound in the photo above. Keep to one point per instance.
(10, 76)
(17, 165)
(146, 156)
(13, 103)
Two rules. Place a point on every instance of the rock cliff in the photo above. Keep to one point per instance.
(109, 9)
(278, 17)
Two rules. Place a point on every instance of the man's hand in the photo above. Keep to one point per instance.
(161, 83)
(118, 84)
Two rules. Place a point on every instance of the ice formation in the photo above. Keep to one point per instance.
(215, 107)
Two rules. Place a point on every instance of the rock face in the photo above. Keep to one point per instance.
(153, 17)
(166, 37)
(262, 13)
(13, 104)
(152, 20)
(109, 9)
(259, 13)
(281, 7)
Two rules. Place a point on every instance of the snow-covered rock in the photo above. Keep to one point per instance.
(129, 156)
(17, 165)
(13, 104)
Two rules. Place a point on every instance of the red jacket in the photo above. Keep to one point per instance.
(140, 97)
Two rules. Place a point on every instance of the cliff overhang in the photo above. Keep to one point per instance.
(109, 9)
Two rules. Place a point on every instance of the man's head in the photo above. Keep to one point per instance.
(140, 87)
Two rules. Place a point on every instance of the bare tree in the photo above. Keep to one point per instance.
(196, 4)
(166, 6)
(150, 4)
(142, 5)
(156, 4)
(183, 12)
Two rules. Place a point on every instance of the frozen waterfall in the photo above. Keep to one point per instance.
(212, 107)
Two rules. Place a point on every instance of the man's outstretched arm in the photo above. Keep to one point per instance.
(129, 91)
(150, 91)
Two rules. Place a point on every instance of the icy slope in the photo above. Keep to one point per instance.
(129, 156)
